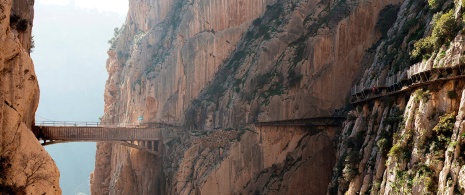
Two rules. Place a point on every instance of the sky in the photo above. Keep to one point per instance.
(69, 57)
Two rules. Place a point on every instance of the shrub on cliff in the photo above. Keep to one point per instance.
(423, 48)
(294, 78)
(434, 4)
(396, 151)
(4, 172)
(14, 19)
(444, 30)
(16, 22)
(22, 25)
(446, 124)
(112, 41)
(257, 22)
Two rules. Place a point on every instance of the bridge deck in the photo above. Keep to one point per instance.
(73, 133)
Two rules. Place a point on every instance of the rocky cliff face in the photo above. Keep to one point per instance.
(26, 168)
(216, 68)
(411, 142)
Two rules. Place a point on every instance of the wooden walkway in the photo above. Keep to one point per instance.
(416, 76)
(147, 139)
(310, 122)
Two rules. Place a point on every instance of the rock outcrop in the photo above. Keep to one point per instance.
(26, 168)
(410, 142)
(216, 68)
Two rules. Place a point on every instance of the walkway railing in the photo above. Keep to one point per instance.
(361, 87)
(415, 75)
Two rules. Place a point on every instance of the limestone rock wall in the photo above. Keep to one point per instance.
(412, 142)
(408, 145)
(217, 65)
(264, 160)
(26, 166)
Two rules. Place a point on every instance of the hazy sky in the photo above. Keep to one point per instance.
(69, 56)
(115, 6)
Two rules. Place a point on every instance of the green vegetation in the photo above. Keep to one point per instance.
(351, 116)
(18, 23)
(5, 166)
(116, 33)
(263, 79)
(351, 160)
(384, 142)
(418, 175)
(403, 183)
(395, 50)
(267, 24)
(423, 48)
(441, 137)
(402, 146)
(425, 175)
(420, 94)
(299, 51)
(257, 22)
(395, 117)
(176, 15)
(214, 91)
(446, 124)
(350, 169)
(387, 17)
(399, 152)
(388, 100)
(434, 4)
(272, 81)
(452, 94)
(22, 25)
(444, 30)
(14, 19)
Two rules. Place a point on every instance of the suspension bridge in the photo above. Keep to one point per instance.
(143, 137)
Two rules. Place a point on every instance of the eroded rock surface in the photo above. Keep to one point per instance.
(217, 67)
(26, 167)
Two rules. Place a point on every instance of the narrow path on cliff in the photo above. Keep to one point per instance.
(418, 75)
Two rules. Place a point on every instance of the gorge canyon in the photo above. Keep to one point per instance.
(263, 97)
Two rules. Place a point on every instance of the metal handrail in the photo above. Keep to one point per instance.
(81, 124)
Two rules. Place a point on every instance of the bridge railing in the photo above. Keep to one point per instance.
(98, 124)
(82, 124)
(68, 123)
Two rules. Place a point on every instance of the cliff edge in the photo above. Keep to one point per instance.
(26, 168)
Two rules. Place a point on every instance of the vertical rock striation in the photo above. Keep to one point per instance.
(411, 142)
(26, 167)
(216, 68)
